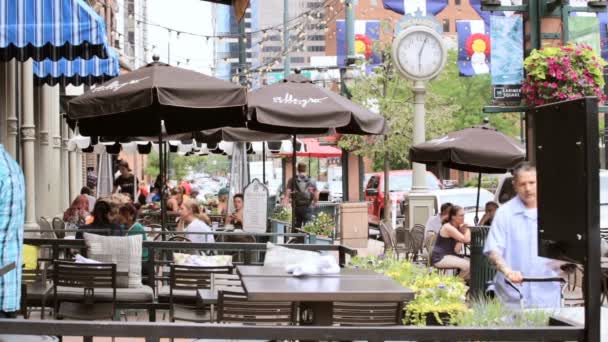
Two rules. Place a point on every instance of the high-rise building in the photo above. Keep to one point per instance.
(132, 33)
(227, 49)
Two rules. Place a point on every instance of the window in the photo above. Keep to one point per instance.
(446, 25)
(131, 37)
(271, 49)
(316, 37)
(315, 48)
(298, 59)
(274, 38)
(268, 60)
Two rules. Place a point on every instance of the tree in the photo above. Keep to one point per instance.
(182, 166)
(391, 95)
(470, 95)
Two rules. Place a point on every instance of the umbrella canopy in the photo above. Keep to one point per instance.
(313, 149)
(133, 104)
(297, 106)
(53, 29)
(479, 149)
(237, 134)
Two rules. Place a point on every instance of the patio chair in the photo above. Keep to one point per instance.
(403, 241)
(87, 277)
(223, 282)
(183, 284)
(35, 289)
(46, 228)
(370, 314)
(387, 237)
(233, 307)
(417, 235)
(59, 227)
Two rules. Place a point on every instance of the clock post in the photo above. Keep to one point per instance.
(419, 170)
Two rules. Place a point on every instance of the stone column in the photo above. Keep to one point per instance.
(73, 171)
(65, 171)
(55, 175)
(28, 137)
(45, 108)
(10, 95)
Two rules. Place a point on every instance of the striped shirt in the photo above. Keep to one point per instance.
(12, 219)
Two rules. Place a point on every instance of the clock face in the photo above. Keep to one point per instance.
(419, 53)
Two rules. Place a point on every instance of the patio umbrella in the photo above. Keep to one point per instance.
(480, 149)
(158, 100)
(297, 106)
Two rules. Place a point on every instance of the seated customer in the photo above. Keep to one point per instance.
(189, 212)
(236, 218)
(488, 216)
(128, 220)
(451, 238)
(101, 221)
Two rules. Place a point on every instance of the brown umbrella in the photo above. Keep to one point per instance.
(480, 149)
(133, 104)
(296, 106)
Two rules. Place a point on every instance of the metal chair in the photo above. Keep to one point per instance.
(46, 228)
(184, 282)
(367, 314)
(233, 307)
(35, 289)
(417, 235)
(87, 277)
(59, 227)
(403, 241)
(387, 238)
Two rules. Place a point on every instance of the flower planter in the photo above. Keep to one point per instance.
(279, 227)
(431, 320)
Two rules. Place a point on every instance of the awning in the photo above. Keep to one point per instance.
(313, 149)
(52, 29)
(79, 71)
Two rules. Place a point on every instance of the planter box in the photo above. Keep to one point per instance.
(431, 320)
(320, 240)
(280, 227)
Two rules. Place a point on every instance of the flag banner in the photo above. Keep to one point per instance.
(413, 7)
(584, 29)
(473, 47)
(507, 50)
(366, 33)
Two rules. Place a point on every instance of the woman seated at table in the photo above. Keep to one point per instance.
(77, 213)
(450, 241)
(176, 200)
(236, 218)
(128, 221)
(102, 222)
(188, 213)
(222, 198)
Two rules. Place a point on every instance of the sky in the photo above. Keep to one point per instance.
(185, 15)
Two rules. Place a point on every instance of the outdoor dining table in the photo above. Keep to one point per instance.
(4, 269)
(319, 292)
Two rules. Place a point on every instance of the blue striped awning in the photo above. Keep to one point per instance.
(50, 29)
(78, 71)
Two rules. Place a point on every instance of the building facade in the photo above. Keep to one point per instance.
(226, 50)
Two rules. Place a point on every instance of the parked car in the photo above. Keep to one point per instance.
(400, 183)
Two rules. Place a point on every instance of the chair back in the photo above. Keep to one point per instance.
(417, 234)
(367, 313)
(387, 237)
(58, 227)
(226, 282)
(46, 228)
(428, 245)
(88, 277)
(233, 307)
(194, 277)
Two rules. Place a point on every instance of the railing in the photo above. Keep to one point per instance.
(157, 330)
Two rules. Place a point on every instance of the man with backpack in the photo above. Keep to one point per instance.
(306, 195)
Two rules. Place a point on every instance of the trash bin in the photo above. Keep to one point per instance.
(481, 269)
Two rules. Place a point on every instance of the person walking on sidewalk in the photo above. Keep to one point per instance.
(305, 197)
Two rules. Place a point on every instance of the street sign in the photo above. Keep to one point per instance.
(506, 93)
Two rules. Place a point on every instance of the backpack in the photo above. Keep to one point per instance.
(303, 197)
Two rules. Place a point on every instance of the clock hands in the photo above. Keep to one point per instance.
(420, 54)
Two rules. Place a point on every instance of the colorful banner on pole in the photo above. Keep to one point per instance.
(366, 32)
(585, 29)
(473, 47)
(507, 37)
(413, 7)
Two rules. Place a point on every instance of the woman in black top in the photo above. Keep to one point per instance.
(101, 222)
(450, 240)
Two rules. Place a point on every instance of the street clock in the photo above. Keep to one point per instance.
(419, 53)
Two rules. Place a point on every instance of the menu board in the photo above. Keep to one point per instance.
(255, 209)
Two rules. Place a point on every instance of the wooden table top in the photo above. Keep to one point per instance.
(365, 288)
(4, 269)
(267, 271)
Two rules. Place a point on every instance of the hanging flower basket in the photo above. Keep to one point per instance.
(563, 73)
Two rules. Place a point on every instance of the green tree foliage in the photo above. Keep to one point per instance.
(470, 95)
(181, 166)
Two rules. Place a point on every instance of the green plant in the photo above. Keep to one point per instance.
(322, 224)
(493, 313)
(436, 294)
(563, 73)
(281, 214)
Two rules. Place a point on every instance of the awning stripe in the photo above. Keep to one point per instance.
(78, 71)
(50, 29)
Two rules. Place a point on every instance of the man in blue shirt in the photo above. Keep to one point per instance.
(512, 246)
(12, 219)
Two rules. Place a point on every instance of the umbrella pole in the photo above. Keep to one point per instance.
(264, 162)
(163, 205)
(293, 184)
(476, 219)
